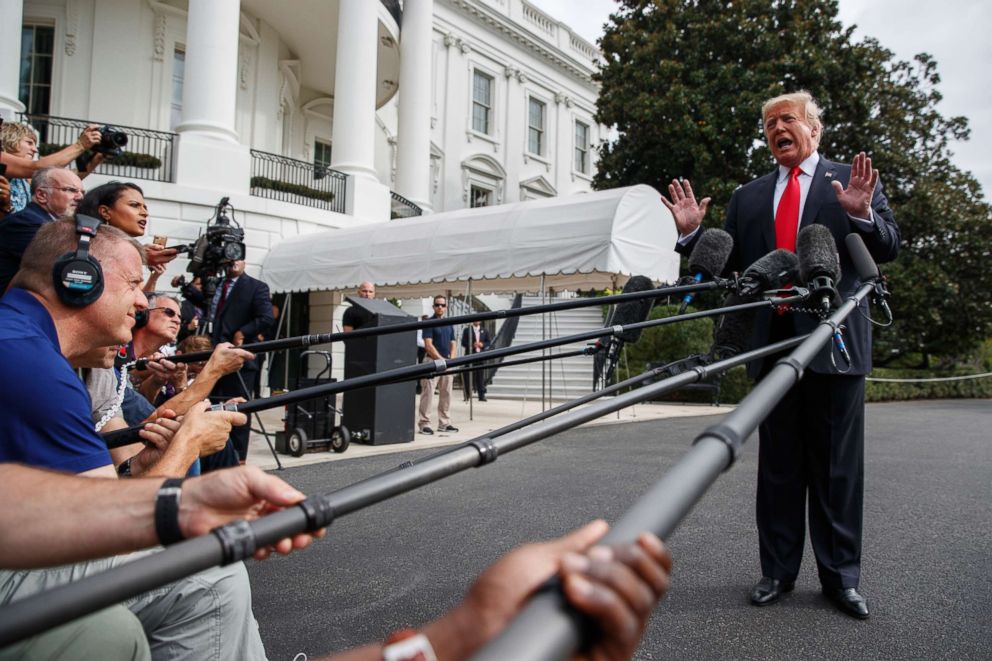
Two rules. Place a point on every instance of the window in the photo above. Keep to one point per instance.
(37, 42)
(482, 102)
(535, 126)
(581, 147)
(321, 153)
(480, 197)
(178, 79)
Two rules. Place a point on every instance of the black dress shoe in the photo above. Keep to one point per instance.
(848, 601)
(426, 430)
(768, 590)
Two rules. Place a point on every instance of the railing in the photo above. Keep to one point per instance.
(290, 180)
(400, 207)
(539, 19)
(148, 154)
(584, 47)
(504, 337)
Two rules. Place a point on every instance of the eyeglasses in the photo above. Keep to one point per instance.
(169, 312)
(440, 305)
(67, 189)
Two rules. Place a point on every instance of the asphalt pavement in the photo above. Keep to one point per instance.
(926, 567)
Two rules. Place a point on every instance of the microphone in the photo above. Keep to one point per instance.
(732, 333)
(623, 314)
(707, 259)
(819, 264)
(773, 271)
(867, 271)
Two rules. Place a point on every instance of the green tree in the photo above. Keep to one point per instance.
(683, 82)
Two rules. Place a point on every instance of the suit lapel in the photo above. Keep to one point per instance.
(766, 193)
(820, 191)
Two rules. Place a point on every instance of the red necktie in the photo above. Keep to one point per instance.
(787, 214)
(223, 295)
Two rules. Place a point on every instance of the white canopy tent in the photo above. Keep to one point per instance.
(591, 240)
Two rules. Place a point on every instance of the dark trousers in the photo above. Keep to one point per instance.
(230, 386)
(811, 457)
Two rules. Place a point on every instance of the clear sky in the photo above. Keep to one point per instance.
(955, 32)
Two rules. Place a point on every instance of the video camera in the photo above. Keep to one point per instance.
(221, 244)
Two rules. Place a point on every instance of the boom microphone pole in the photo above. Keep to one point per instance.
(238, 540)
(327, 338)
(130, 435)
(547, 628)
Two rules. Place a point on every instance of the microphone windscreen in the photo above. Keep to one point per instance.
(711, 253)
(732, 333)
(817, 252)
(632, 312)
(773, 271)
(863, 263)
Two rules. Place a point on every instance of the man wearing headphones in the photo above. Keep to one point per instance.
(78, 289)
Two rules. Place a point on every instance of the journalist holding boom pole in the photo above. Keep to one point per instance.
(811, 444)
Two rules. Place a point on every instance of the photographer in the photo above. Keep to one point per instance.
(20, 147)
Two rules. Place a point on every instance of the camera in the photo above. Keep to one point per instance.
(112, 141)
(221, 244)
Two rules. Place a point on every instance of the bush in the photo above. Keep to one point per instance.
(884, 391)
(127, 159)
(293, 189)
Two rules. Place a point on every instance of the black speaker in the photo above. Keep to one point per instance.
(384, 414)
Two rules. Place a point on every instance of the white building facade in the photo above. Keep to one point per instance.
(309, 114)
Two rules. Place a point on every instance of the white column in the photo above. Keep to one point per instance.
(209, 153)
(355, 76)
(211, 80)
(413, 156)
(353, 132)
(11, 16)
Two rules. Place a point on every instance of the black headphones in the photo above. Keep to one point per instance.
(77, 277)
(140, 319)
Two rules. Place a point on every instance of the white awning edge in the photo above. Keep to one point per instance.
(590, 240)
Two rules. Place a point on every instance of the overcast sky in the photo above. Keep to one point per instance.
(955, 32)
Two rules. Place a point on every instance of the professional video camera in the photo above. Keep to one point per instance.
(221, 244)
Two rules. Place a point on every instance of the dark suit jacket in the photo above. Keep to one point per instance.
(16, 232)
(751, 223)
(468, 338)
(248, 309)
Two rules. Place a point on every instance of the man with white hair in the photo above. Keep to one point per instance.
(812, 443)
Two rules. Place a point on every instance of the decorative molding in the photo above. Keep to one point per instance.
(161, 26)
(244, 65)
(510, 72)
(450, 40)
(485, 171)
(71, 27)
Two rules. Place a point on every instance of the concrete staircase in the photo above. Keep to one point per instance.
(569, 377)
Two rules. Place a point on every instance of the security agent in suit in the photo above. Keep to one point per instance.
(812, 443)
(239, 311)
(475, 339)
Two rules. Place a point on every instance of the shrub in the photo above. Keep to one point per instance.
(293, 189)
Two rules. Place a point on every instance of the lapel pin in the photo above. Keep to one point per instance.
(828, 175)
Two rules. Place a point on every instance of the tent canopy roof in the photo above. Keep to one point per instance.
(582, 241)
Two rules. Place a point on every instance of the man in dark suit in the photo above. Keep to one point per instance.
(55, 192)
(239, 312)
(475, 339)
(812, 443)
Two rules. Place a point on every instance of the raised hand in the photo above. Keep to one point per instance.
(687, 212)
(856, 198)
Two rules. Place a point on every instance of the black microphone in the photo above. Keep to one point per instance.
(867, 271)
(623, 314)
(732, 333)
(819, 264)
(707, 260)
(773, 271)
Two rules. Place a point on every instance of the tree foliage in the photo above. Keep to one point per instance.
(683, 82)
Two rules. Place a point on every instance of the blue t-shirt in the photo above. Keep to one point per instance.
(442, 336)
(44, 408)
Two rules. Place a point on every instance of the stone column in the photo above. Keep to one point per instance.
(11, 17)
(353, 132)
(413, 158)
(209, 153)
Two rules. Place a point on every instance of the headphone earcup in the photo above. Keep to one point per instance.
(78, 280)
(140, 319)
